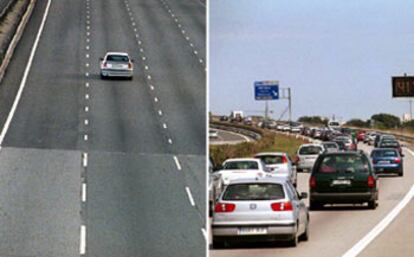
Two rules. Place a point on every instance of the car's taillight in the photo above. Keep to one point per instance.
(104, 64)
(129, 65)
(284, 159)
(224, 207)
(283, 206)
(312, 182)
(371, 181)
(397, 160)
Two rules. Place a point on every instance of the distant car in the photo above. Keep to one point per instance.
(345, 177)
(390, 144)
(360, 135)
(387, 160)
(213, 133)
(237, 168)
(348, 141)
(116, 64)
(260, 209)
(307, 154)
(224, 118)
(330, 146)
(279, 165)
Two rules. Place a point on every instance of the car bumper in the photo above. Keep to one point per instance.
(344, 197)
(387, 169)
(272, 230)
(117, 73)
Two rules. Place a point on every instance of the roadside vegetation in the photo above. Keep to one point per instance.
(270, 141)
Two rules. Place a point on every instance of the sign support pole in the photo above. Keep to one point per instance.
(290, 105)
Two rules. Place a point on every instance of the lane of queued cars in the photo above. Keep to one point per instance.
(256, 199)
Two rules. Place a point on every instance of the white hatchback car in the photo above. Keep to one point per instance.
(117, 64)
(307, 155)
(279, 165)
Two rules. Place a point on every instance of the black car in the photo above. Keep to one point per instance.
(343, 177)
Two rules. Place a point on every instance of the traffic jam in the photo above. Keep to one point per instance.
(256, 199)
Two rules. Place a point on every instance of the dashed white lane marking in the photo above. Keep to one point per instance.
(177, 162)
(146, 67)
(155, 99)
(170, 141)
(87, 47)
(164, 126)
(86, 122)
(25, 74)
(85, 160)
(88, 40)
(85, 137)
(204, 232)
(141, 50)
(143, 58)
(190, 196)
(160, 112)
(87, 55)
(149, 77)
(151, 87)
(83, 192)
(87, 84)
(87, 96)
(88, 33)
(87, 74)
(86, 108)
(82, 246)
(87, 64)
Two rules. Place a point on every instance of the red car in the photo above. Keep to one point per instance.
(360, 135)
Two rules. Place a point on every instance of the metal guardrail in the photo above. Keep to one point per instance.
(240, 129)
(5, 6)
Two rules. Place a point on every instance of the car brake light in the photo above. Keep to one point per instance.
(104, 64)
(312, 182)
(283, 206)
(224, 207)
(371, 181)
(284, 159)
(397, 160)
(129, 65)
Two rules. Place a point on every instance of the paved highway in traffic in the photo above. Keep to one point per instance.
(228, 137)
(105, 167)
(335, 230)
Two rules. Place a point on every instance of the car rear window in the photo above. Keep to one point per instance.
(310, 150)
(344, 163)
(257, 191)
(331, 145)
(241, 165)
(271, 159)
(117, 58)
(389, 144)
(384, 153)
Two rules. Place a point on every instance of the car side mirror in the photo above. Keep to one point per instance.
(303, 195)
(402, 155)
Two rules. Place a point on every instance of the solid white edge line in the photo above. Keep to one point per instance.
(409, 150)
(190, 196)
(83, 192)
(366, 240)
(25, 75)
(82, 246)
(177, 162)
(204, 231)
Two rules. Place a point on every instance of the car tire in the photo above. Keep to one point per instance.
(313, 205)
(103, 77)
(131, 78)
(218, 244)
(372, 204)
(401, 173)
(295, 239)
(305, 235)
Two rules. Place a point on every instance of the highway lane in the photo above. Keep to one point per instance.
(228, 137)
(139, 185)
(336, 229)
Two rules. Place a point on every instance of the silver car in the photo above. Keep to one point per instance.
(307, 155)
(116, 64)
(260, 209)
(279, 165)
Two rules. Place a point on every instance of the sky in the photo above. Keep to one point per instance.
(337, 56)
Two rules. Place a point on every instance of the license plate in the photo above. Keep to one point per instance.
(384, 162)
(341, 182)
(252, 231)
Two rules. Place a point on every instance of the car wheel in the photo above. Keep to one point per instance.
(313, 205)
(131, 78)
(372, 204)
(401, 173)
(305, 235)
(218, 244)
(295, 239)
(102, 76)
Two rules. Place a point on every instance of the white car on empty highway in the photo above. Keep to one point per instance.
(116, 64)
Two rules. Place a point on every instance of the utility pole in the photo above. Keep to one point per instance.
(290, 105)
(266, 110)
(410, 103)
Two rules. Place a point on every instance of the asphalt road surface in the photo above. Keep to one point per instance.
(334, 230)
(106, 167)
(228, 137)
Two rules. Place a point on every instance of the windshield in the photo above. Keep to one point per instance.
(389, 144)
(343, 163)
(271, 159)
(384, 153)
(117, 58)
(330, 145)
(310, 150)
(259, 191)
(241, 165)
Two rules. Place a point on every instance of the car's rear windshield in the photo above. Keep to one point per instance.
(343, 163)
(389, 144)
(256, 191)
(384, 153)
(241, 165)
(330, 145)
(310, 150)
(117, 58)
(271, 159)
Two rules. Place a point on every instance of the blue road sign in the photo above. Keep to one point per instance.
(266, 90)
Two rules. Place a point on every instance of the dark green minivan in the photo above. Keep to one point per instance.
(343, 177)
